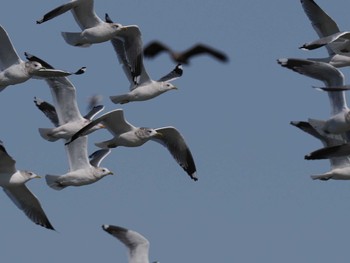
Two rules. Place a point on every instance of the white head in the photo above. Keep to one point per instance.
(102, 172)
(27, 175)
(165, 86)
(146, 133)
(33, 66)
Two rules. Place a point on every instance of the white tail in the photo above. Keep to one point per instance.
(45, 133)
(74, 39)
(51, 181)
(120, 99)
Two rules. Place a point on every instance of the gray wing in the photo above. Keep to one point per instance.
(114, 122)
(29, 204)
(57, 11)
(128, 46)
(329, 152)
(322, 23)
(48, 109)
(175, 143)
(93, 112)
(77, 154)
(7, 163)
(49, 71)
(138, 245)
(85, 15)
(82, 10)
(8, 54)
(97, 156)
(322, 71)
(174, 74)
(64, 97)
(339, 41)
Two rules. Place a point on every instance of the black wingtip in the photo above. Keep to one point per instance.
(80, 71)
(308, 157)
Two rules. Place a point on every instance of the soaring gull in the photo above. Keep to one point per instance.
(325, 27)
(125, 134)
(13, 183)
(155, 47)
(339, 122)
(137, 245)
(82, 171)
(128, 46)
(14, 70)
(94, 30)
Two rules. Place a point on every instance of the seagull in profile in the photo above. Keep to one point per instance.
(82, 171)
(128, 46)
(329, 34)
(339, 122)
(137, 245)
(154, 48)
(127, 135)
(13, 183)
(94, 30)
(69, 119)
(14, 70)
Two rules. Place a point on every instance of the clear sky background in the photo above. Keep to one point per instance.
(254, 200)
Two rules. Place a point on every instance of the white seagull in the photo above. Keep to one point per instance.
(66, 108)
(94, 30)
(13, 183)
(82, 171)
(125, 134)
(128, 46)
(325, 26)
(14, 70)
(339, 122)
(137, 245)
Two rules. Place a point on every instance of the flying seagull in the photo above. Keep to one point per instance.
(14, 70)
(94, 30)
(125, 134)
(137, 245)
(325, 26)
(154, 48)
(339, 122)
(13, 183)
(128, 46)
(81, 170)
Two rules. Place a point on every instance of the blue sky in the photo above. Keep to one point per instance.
(254, 201)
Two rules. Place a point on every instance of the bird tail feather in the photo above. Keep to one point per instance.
(119, 99)
(74, 39)
(51, 181)
(45, 133)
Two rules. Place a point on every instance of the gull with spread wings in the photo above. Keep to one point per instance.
(125, 134)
